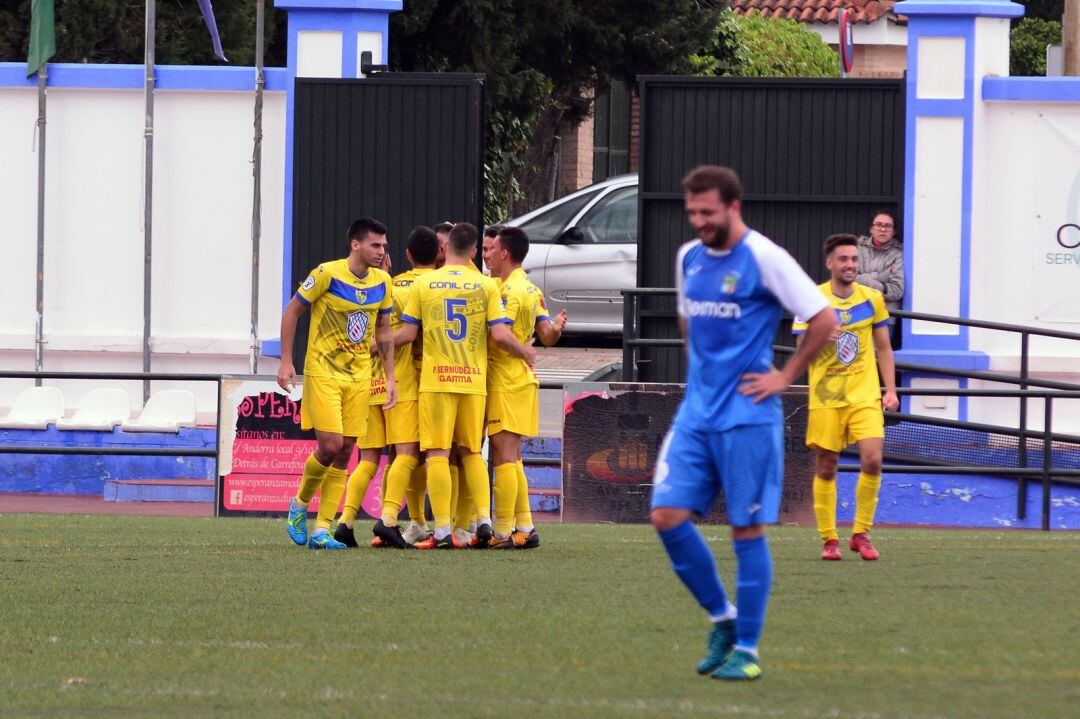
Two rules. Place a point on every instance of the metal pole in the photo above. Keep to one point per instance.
(148, 189)
(39, 328)
(256, 203)
(1048, 420)
(1022, 484)
(1070, 38)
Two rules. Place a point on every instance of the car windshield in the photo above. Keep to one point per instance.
(547, 225)
(613, 220)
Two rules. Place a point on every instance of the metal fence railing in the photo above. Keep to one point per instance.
(1028, 387)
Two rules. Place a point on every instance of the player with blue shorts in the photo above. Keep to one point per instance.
(733, 284)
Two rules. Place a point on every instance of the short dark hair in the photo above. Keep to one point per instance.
(423, 245)
(463, 238)
(515, 241)
(443, 227)
(361, 227)
(890, 213)
(713, 177)
(492, 230)
(834, 241)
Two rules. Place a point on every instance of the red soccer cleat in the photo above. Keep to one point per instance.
(831, 551)
(861, 543)
(447, 542)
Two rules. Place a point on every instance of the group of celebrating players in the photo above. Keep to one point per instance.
(463, 362)
(424, 363)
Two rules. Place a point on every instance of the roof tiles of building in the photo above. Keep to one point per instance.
(865, 11)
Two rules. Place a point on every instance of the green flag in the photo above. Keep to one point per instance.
(42, 35)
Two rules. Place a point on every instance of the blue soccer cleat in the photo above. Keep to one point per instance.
(297, 523)
(721, 639)
(740, 666)
(322, 540)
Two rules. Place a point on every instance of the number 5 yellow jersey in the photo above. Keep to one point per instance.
(845, 373)
(454, 307)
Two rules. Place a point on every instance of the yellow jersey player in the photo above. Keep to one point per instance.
(371, 447)
(513, 408)
(405, 476)
(845, 398)
(350, 301)
(457, 308)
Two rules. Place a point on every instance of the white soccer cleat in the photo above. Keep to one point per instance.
(415, 532)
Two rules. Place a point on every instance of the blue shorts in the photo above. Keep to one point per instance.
(746, 462)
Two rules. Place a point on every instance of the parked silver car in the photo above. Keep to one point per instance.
(583, 251)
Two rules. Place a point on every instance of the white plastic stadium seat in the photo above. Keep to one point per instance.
(35, 408)
(167, 411)
(101, 409)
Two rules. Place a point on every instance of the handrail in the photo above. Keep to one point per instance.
(632, 341)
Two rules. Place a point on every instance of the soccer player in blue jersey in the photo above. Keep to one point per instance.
(733, 284)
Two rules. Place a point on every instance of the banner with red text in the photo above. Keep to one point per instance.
(263, 449)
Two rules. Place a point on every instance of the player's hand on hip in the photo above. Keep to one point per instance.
(762, 385)
(890, 402)
(286, 376)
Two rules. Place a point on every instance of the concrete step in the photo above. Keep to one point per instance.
(159, 490)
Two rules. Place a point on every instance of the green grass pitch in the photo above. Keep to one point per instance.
(133, 616)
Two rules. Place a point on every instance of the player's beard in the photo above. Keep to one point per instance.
(719, 237)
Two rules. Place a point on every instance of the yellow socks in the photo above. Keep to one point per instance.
(455, 486)
(438, 480)
(311, 480)
(506, 489)
(397, 480)
(415, 493)
(356, 489)
(476, 476)
(866, 496)
(463, 509)
(333, 487)
(825, 507)
(522, 510)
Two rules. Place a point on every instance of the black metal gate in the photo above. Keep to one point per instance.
(816, 157)
(406, 149)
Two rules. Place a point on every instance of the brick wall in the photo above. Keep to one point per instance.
(878, 60)
(576, 159)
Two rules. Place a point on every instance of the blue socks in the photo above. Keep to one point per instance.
(754, 583)
(694, 563)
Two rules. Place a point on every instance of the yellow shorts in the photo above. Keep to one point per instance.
(517, 412)
(447, 417)
(375, 435)
(335, 405)
(403, 422)
(833, 428)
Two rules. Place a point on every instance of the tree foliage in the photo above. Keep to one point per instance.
(114, 31)
(543, 59)
(1027, 48)
(756, 46)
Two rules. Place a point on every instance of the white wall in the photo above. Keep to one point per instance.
(1027, 186)
(94, 232)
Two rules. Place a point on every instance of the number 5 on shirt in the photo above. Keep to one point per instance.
(460, 323)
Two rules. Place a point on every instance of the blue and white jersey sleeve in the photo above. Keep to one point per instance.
(680, 278)
(783, 276)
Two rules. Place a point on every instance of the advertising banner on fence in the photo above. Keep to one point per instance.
(612, 434)
(263, 449)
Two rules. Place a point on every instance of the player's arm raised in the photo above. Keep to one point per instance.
(286, 376)
(887, 364)
(550, 330)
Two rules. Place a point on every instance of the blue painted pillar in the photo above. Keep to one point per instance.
(326, 38)
(952, 45)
